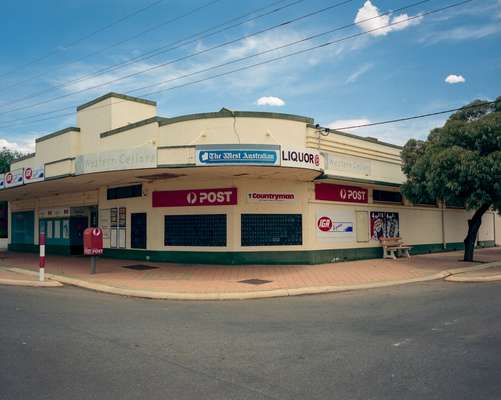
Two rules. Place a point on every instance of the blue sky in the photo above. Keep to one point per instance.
(385, 74)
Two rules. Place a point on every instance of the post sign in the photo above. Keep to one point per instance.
(195, 197)
(300, 158)
(14, 178)
(213, 155)
(34, 174)
(347, 194)
(93, 242)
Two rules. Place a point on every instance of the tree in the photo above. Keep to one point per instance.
(460, 164)
(6, 158)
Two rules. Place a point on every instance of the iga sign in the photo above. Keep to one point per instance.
(14, 178)
(256, 197)
(237, 155)
(301, 158)
(335, 226)
(195, 197)
(348, 194)
(34, 174)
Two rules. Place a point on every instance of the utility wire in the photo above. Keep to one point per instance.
(157, 66)
(311, 37)
(267, 61)
(83, 38)
(326, 131)
(159, 50)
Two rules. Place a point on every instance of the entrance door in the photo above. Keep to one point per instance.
(77, 227)
(138, 230)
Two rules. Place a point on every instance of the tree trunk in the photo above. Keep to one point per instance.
(473, 227)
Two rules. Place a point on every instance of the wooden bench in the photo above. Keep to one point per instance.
(392, 245)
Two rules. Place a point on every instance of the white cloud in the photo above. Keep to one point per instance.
(24, 146)
(462, 33)
(359, 72)
(452, 79)
(367, 18)
(270, 101)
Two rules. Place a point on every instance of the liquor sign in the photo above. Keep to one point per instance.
(195, 197)
(14, 178)
(211, 155)
(257, 197)
(301, 158)
(335, 226)
(2, 181)
(34, 174)
(348, 194)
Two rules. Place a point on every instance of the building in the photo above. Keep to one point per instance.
(223, 187)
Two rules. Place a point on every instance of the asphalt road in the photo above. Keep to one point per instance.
(436, 340)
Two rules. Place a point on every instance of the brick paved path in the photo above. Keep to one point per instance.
(221, 279)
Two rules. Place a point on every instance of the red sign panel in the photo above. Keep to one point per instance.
(348, 194)
(93, 242)
(195, 197)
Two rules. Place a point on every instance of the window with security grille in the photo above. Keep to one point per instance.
(195, 230)
(4, 220)
(386, 196)
(271, 229)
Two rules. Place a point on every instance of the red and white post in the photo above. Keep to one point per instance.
(41, 273)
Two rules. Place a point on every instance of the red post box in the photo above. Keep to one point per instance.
(93, 242)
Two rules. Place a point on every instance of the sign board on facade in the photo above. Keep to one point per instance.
(116, 160)
(301, 158)
(257, 197)
(211, 155)
(54, 212)
(347, 164)
(36, 174)
(335, 226)
(195, 197)
(348, 194)
(384, 224)
(14, 178)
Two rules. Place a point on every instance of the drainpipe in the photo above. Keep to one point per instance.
(444, 242)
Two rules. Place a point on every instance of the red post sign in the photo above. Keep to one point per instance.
(195, 197)
(93, 242)
(348, 194)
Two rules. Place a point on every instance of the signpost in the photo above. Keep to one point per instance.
(93, 245)
(41, 265)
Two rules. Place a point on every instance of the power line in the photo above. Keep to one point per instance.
(266, 61)
(159, 50)
(392, 121)
(85, 37)
(157, 66)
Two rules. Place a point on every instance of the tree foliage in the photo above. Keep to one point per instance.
(459, 163)
(7, 156)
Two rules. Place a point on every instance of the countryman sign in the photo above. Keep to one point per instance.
(213, 155)
(301, 158)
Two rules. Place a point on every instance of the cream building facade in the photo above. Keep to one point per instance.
(224, 187)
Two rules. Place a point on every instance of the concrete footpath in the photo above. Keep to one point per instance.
(218, 282)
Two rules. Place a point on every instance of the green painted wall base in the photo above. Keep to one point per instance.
(253, 257)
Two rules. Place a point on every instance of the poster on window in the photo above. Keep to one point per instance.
(384, 224)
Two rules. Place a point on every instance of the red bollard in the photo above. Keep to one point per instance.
(41, 242)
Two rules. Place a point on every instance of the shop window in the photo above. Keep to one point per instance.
(427, 203)
(386, 196)
(124, 192)
(23, 226)
(4, 220)
(195, 230)
(272, 229)
(454, 203)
